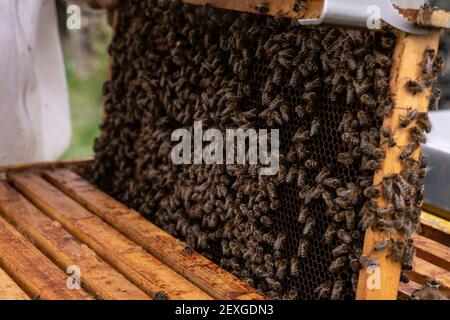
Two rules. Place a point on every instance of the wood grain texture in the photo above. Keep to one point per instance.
(80, 163)
(202, 272)
(435, 228)
(311, 8)
(142, 269)
(32, 270)
(433, 252)
(405, 290)
(407, 58)
(9, 290)
(423, 269)
(97, 277)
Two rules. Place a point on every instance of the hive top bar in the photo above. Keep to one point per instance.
(404, 15)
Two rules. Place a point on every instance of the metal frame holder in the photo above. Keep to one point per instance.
(357, 13)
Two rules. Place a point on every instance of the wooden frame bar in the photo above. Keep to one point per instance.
(142, 269)
(311, 9)
(100, 279)
(9, 290)
(202, 272)
(32, 270)
(408, 55)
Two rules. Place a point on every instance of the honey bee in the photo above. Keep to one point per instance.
(303, 214)
(337, 290)
(408, 151)
(361, 88)
(282, 268)
(368, 262)
(329, 234)
(333, 183)
(362, 118)
(349, 219)
(326, 196)
(298, 5)
(266, 221)
(344, 236)
(350, 139)
(340, 250)
(160, 295)
(387, 134)
(345, 158)
(368, 101)
(302, 250)
(275, 285)
(315, 126)
(371, 165)
(309, 226)
(279, 242)
(262, 8)
(423, 122)
(323, 291)
(371, 192)
(417, 135)
(337, 264)
(295, 267)
(428, 62)
(291, 177)
(382, 245)
(311, 164)
(301, 178)
(415, 86)
(301, 136)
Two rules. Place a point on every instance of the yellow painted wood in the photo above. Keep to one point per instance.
(97, 277)
(141, 268)
(201, 271)
(408, 55)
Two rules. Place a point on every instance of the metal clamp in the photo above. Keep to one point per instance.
(358, 13)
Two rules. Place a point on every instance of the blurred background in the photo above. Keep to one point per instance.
(86, 60)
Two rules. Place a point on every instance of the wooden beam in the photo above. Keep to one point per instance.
(32, 270)
(433, 252)
(199, 270)
(408, 55)
(435, 228)
(310, 9)
(47, 165)
(405, 290)
(142, 269)
(97, 277)
(424, 269)
(9, 290)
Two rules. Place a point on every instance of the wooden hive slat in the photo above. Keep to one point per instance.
(9, 290)
(310, 9)
(423, 269)
(32, 270)
(405, 290)
(145, 271)
(436, 229)
(408, 55)
(97, 277)
(201, 271)
(433, 252)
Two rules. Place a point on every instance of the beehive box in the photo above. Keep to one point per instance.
(54, 220)
(168, 64)
(341, 99)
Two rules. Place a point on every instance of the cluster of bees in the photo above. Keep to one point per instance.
(294, 235)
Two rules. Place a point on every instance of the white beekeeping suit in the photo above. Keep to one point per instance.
(34, 107)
